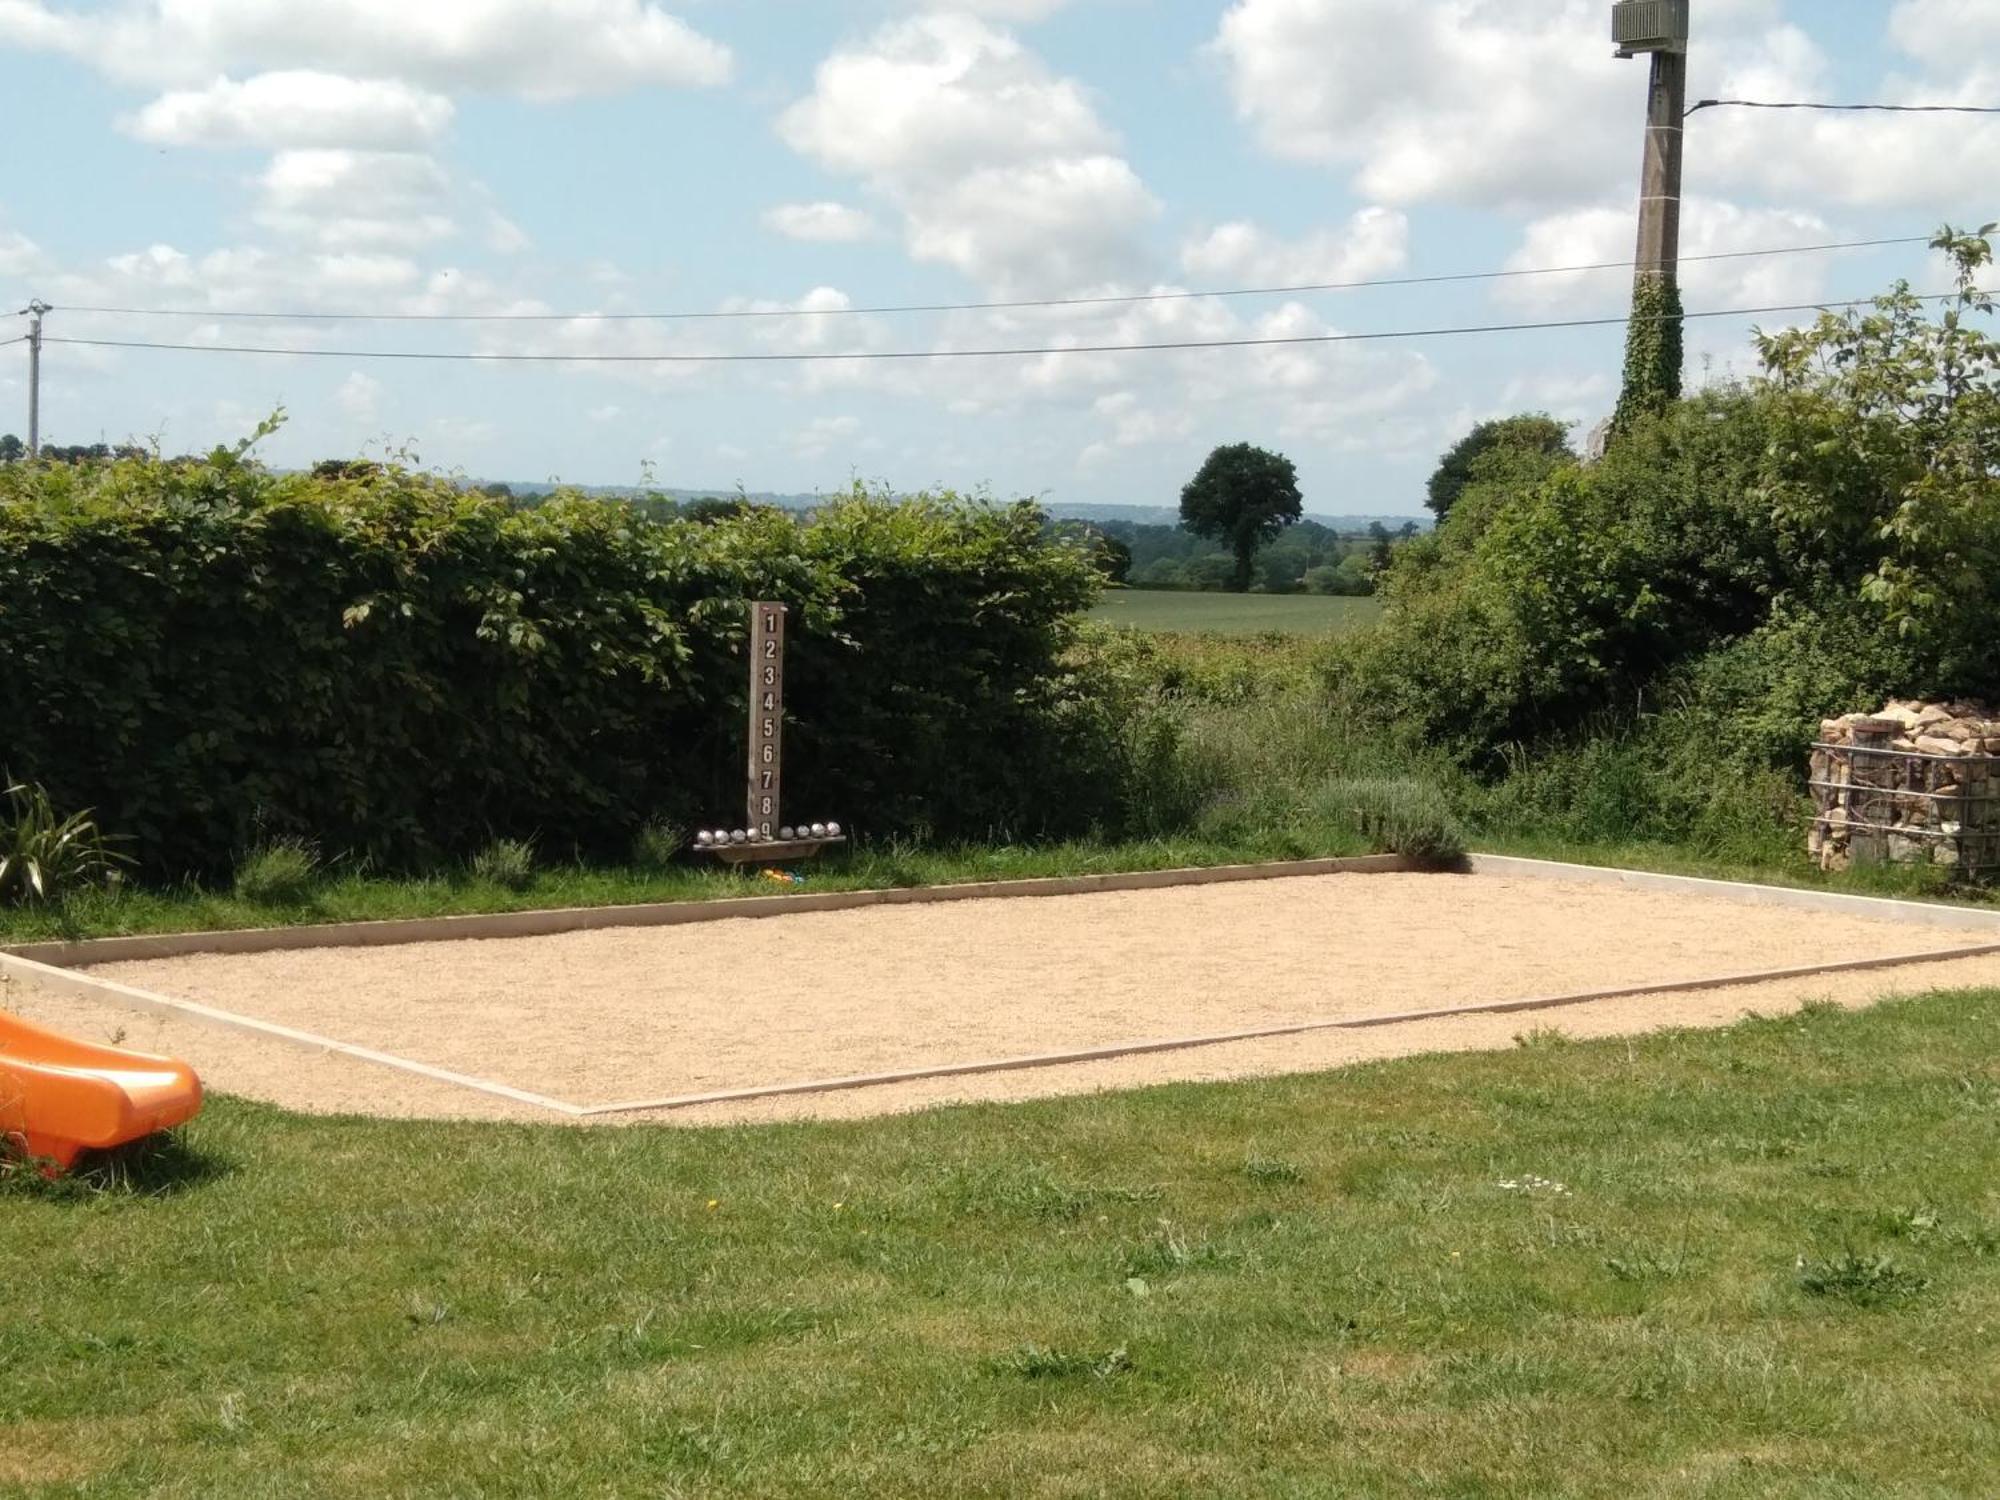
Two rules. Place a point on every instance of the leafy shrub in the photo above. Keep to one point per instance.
(409, 669)
(1839, 511)
(1411, 818)
(279, 873)
(44, 857)
(507, 863)
(656, 844)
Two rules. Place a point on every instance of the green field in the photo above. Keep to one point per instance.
(1762, 1261)
(1234, 614)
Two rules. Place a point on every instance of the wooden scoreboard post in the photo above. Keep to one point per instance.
(764, 834)
(767, 716)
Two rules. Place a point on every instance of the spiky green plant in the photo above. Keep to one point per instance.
(44, 856)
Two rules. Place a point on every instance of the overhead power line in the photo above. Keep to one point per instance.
(816, 356)
(1894, 109)
(938, 307)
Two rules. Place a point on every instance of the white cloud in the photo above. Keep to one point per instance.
(1000, 166)
(1471, 100)
(1939, 164)
(1576, 399)
(356, 199)
(295, 108)
(819, 223)
(18, 254)
(537, 49)
(1519, 104)
(1050, 225)
(504, 236)
(1134, 424)
(359, 397)
(823, 434)
(1011, 10)
(1373, 241)
(1593, 236)
(1947, 33)
(244, 279)
(609, 412)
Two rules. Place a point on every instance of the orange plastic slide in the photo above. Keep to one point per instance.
(59, 1096)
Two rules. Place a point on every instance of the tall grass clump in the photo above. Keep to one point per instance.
(280, 872)
(507, 863)
(657, 844)
(1397, 816)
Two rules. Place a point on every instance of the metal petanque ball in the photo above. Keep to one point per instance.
(701, 839)
(785, 833)
(819, 830)
(833, 830)
(738, 836)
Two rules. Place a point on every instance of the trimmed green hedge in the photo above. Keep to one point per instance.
(211, 654)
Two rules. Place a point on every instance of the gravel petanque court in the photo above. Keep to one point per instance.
(619, 1014)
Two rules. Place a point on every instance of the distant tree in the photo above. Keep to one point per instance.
(1380, 549)
(1406, 531)
(713, 508)
(1211, 572)
(12, 449)
(346, 468)
(1112, 557)
(654, 507)
(1243, 496)
(498, 489)
(1160, 573)
(1535, 432)
(1351, 576)
(89, 453)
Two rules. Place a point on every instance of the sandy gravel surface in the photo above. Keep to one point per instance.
(327, 1083)
(628, 1013)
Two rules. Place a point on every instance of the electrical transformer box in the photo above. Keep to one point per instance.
(1649, 26)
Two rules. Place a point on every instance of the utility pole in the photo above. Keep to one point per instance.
(35, 310)
(1653, 340)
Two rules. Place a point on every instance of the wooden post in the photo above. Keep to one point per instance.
(767, 717)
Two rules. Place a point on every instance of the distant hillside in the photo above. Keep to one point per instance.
(1167, 515)
(1137, 515)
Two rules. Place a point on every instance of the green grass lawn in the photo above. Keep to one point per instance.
(1234, 614)
(1755, 1262)
(98, 912)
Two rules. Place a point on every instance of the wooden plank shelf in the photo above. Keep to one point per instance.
(769, 849)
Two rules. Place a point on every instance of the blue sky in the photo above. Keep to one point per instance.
(592, 157)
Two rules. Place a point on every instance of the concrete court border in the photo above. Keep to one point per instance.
(18, 963)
